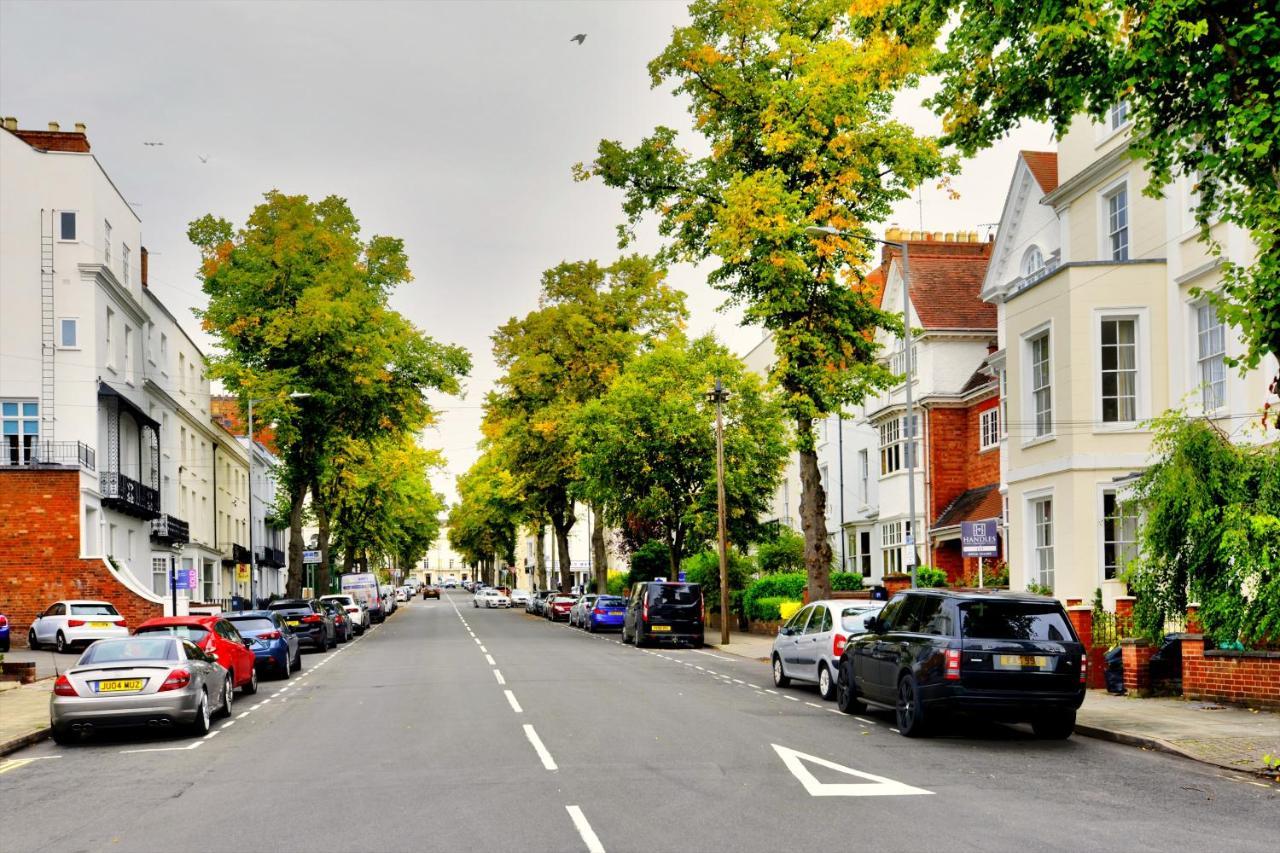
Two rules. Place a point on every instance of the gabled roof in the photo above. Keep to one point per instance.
(1044, 166)
(945, 288)
(974, 505)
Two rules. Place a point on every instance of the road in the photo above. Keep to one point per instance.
(455, 729)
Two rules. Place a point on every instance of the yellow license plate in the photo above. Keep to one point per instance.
(120, 686)
(660, 628)
(293, 624)
(1037, 661)
(101, 624)
(615, 612)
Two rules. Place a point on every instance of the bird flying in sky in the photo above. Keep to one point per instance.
(204, 158)
(153, 143)
(579, 38)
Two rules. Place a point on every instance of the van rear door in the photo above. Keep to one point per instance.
(675, 608)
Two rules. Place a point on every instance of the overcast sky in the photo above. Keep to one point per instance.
(452, 125)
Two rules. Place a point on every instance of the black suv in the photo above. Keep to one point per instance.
(1007, 656)
(310, 620)
(658, 610)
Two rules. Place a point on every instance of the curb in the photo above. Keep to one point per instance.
(17, 743)
(1158, 745)
(736, 654)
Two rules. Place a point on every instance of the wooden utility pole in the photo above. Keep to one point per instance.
(718, 396)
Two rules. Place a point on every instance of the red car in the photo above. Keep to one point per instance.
(558, 607)
(216, 636)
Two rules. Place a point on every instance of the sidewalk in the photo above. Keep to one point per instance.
(24, 714)
(1225, 736)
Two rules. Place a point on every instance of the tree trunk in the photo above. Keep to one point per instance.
(348, 559)
(599, 559)
(562, 519)
(322, 517)
(674, 549)
(293, 584)
(540, 556)
(813, 517)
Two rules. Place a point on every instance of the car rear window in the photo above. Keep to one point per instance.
(247, 626)
(675, 594)
(1013, 620)
(194, 633)
(854, 619)
(288, 605)
(344, 600)
(134, 648)
(93, 610)
(609, 601)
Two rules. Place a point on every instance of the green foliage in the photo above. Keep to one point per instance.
(647, 453)
(766, 609)
(616, 582)
(1039, 589)
(846, 581)
(784, 553)
(651, 560)
(927, 576)
(704, 568)
(783, 586)
(1200, 79)
(482, 525)
(1210, 533)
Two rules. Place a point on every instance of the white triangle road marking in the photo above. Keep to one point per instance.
(874, 786)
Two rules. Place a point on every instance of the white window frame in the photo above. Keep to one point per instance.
(896, 447)
(75, 218)
(1200, 361)
(124, 264)
(989, 428)
(1034, 548)
(1140, 315)
(1107, 234)
(126, 362)
(106, 243)
(891, 544)
(1105, 490)
(1004, 402)
(108, 342)
(1032, 261)
(864, 476)
(1119, 116)
(160, 575)
(61, 343)
(898, 362)
(824, 477)
(1030, 415)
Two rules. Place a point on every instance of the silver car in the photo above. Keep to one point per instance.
(158, 681)
(809, 645)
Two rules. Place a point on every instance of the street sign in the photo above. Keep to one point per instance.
(980, 538)
(310, 556)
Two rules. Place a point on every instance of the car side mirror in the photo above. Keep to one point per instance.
(784, 631)
(248, 643)
(875, 625)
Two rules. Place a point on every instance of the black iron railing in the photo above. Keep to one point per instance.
(271, 557)
(129, 496)
(46, 454)
(166, 528)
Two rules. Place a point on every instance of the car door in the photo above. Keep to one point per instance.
(790, 638)
(50, 621)
(898, 646)
(815, 640)
(870, 649)
(235, 646)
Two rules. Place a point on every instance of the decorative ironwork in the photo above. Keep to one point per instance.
(272, 557)
(48, 454)
(233, 554)
(127, 495)
(166, 528)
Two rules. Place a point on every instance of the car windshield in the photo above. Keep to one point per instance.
(133, 648)
(854, 619)
(253, 626)
(194, 633)
(1013, 620)
(93, 610)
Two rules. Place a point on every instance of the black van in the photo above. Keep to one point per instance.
(1007, 656)
(659, 610)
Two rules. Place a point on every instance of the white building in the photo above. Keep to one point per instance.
(267, 539)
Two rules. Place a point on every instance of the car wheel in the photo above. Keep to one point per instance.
(780, 678)
(63, 736)
(591, 627)
(60, 644)
(228, 696)
(297, 660)
(332, 642)
(826, 685)
(286, 670)
(910, 713)
(200, 725)
(252, 687)
(846, 693)
(32, 642)
(1057, 726)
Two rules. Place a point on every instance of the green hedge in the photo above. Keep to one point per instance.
(846, 581)
(787, 586)
(929, 577)
(767, 609)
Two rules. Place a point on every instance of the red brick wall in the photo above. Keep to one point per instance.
(955, 462)
(1137, 665)
(39, 552)
(1250, 678)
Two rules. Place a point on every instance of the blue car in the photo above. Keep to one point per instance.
(274, 645)
(607, 614)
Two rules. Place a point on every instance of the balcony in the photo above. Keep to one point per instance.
(271, 557)
(173, 531)
(127, 495)
(47, 454)
(233, 553)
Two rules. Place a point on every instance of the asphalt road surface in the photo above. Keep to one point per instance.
(455, 729)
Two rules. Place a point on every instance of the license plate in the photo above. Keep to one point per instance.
(1022, 661)
(660, 628)
(293, 624)
(101, 624)
(129, 685)
(615, 612)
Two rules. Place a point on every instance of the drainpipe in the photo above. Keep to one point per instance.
(218, 571)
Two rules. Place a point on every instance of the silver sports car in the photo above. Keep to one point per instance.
(152, 680)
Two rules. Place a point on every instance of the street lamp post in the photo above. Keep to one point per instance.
(828, 231)
(718, 396)
(253, 555)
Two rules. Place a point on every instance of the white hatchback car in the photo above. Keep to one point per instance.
(76, 623)
(490, 598)
(519, 597)
(809, 645)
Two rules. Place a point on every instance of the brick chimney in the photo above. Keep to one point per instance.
(53, 139)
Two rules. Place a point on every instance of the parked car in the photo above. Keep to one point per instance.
(343, 630)
(67, 624)
(558, 607)
(402, 594)
(520, 598)
(388, 597)
(309, 620)
(4, 633)
(216, 636)
(430, 591)
(363, 587)
(158, 681)
(809, 645)
(662, 610)
(490, 598)
(274, 646)
(607, 613)
(538, 601)
(356, 614)
(576, 619)
(1012, 657)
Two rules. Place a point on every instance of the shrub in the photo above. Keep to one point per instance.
(651, 560)
(846, 581)
(784, 585)
(616, 582)
(784, 553)
(767, 609)
(704, 568)
(927, 576)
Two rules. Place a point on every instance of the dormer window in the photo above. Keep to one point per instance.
(1032, 261)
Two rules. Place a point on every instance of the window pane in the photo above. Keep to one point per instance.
(68, 333)
(30, 410)
(68, 225)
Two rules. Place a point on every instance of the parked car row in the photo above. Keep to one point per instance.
(179, 670)
(654, 612)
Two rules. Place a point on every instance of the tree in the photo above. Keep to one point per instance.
(298, 304)
(482, 525)
(590, 320)
(793, 98)
(647, 451)
(1210, 533)
(783, 553)
(1199, 78)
